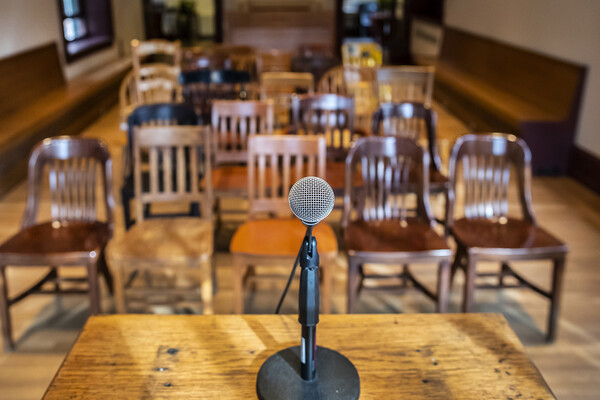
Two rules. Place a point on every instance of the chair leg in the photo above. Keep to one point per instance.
(9, 345)
(103, 269)
(326, 272)
(457, 263)
(443, 286)
(352, 285)
(239, 265)
(206, 286)
(94, 288)
(469, 289)
(503, 271)
(126, 197)
(555, 295)
(119, 289)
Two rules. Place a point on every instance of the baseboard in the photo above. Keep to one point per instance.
(585, 167)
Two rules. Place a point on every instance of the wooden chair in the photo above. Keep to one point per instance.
(379, 227)
(273, 61)
(485, 232)
(280, 87)
(233, 123)
(356, 82)
(275, 163)
(202, 87)
(149, 115)
(405, 83)
(155, 51)
(73, 236)
(332, 116)
(177, 155)
(417, 122)
(157, 81)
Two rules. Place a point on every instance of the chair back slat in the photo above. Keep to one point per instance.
(233, 123)
(405, 83)
(275, 163)
(387, 190)
(72, 167)
(169, 146)
(486, 162)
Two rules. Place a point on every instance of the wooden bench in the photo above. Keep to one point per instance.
(493, 86)
(37, 102)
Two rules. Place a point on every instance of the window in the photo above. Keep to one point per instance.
(86, 26)
(73, 21)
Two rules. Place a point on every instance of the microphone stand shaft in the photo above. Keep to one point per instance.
(308, 314)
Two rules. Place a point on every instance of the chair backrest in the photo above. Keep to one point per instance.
(73, 166)
(158, 83)
(202, 87)
(411, 120)
(330, 115)
(275, 163)
(233, 122)
(273, 61)
(486, 162)
(178, 156)
(387, 190)
(157, 50)
(333, 81)
(281, 87)
(155, 115)
(405, 83)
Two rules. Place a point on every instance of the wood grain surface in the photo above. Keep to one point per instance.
(417, 356)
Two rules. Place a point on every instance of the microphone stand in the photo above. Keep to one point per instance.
(292, 373)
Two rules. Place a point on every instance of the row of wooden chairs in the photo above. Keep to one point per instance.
(378, 225)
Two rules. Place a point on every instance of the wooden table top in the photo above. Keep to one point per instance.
(410, 356)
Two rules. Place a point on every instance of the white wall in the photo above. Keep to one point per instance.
(25, 24)
(566, 29)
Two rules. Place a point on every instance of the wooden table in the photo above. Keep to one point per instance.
(430, 356)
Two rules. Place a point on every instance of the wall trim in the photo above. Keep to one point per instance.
(585, 167)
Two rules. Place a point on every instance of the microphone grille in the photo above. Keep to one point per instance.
(311, 199)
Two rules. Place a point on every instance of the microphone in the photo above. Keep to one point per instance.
(311, 200)
(291, 373)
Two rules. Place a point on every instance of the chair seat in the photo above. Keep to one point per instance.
(39, 244)
(163, 240)
(513, 234)
(393, 236)
(280, 237)
(230, 178)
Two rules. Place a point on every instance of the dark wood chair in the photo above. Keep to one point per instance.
(73, 236)
(484, 231)
(202, 87)
(149, 115)
(414, 121)
(330, 115)
(378, 225)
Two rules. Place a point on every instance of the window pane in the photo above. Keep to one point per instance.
(74, 28)
(71, 7)
(69, 29)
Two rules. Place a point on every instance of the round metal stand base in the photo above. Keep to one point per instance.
(279, 377)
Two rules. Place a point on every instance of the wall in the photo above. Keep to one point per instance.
(568, 30)
(25, 24)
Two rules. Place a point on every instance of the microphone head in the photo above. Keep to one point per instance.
(311, 200)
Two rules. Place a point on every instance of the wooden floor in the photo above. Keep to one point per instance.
(46, 327)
